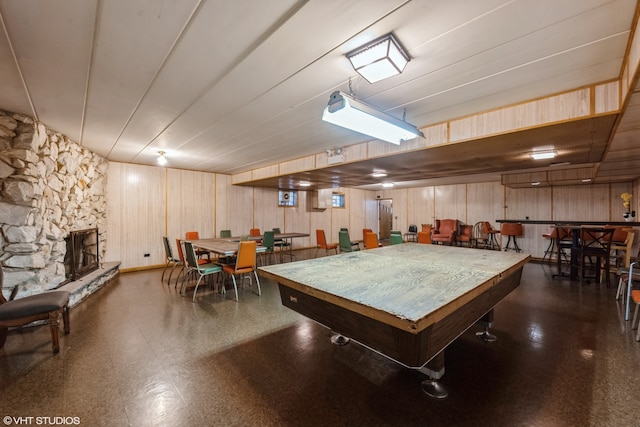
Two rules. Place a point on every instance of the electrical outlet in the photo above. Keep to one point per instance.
(147, 255)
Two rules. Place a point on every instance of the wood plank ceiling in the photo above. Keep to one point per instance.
(227, 87)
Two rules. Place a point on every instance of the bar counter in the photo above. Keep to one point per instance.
(578, 223)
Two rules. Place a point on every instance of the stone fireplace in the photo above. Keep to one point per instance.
(49, 187)
(83, 255)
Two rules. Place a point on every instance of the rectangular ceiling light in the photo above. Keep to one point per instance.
(344, 110)
(379, 59)
(541, 155)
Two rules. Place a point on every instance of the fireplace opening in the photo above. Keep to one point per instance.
(82, 253)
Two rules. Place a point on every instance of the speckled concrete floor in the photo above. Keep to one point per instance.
(140, 354)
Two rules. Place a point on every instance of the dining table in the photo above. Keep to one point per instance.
(286, 238)
(227, 246)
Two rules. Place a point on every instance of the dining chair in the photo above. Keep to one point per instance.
(465, 237)
(371, 241)
(492, 242)
(424, 237)
(196, 269)
(345, 243)
(395, 238)
(255, 232)
(268, 242)
(194, 235)
(183, 263)
(595, 242)
(412, 233)
(280, 243)
(321, 243)
(621, 249)
(353, 243)
(225, 234)
(244, 266)
(171, 260)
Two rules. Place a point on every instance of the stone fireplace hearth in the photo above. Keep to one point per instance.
(49, 186)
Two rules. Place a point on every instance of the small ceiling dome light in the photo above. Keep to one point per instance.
(162, 160)
(379, 59)
(541, 155)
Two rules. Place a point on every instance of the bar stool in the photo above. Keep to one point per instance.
(554, 236)
(512, 230)
(492, 243)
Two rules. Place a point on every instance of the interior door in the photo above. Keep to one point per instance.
(385, 218)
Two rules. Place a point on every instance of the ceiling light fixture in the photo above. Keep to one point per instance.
(304, 184)
(379, 174)
(344, 110)
(387, 184)
(162, 160)
(379, 59)
(541, 155)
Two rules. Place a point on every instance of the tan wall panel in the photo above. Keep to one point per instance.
(235, 206)
(357, 200)
(320, 219)
(340, 218)
(529, 114)
(242, 177)
(190, 203)
(298, 165)
(607, 97)
(135, 215)
(450, 202)
(534, 203)
(265, 209)
(265, 172)
(624, 83)
(296, 220)
(634, 53)
(420, 206)
(581, 203)
(485, 202)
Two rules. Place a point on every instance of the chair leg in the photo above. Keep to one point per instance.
(620, 290)
(235, 286)
(196, 289)
(3, 336)
(54, 325)
(635, 317)
(255, 273)
(65, 319)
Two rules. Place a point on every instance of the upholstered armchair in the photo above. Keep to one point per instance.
(445, 232)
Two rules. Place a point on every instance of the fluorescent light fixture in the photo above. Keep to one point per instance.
(586, 180)
(344, 110)
(379, 174)
(304, 184)
(379, 59)
(162, 160)
(387, 184)
(541, 155)
(535, 183)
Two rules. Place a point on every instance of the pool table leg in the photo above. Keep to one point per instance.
(338, 339)
(434, 369)
(485, 335)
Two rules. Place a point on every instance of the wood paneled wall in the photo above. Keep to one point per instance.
(145, 203)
